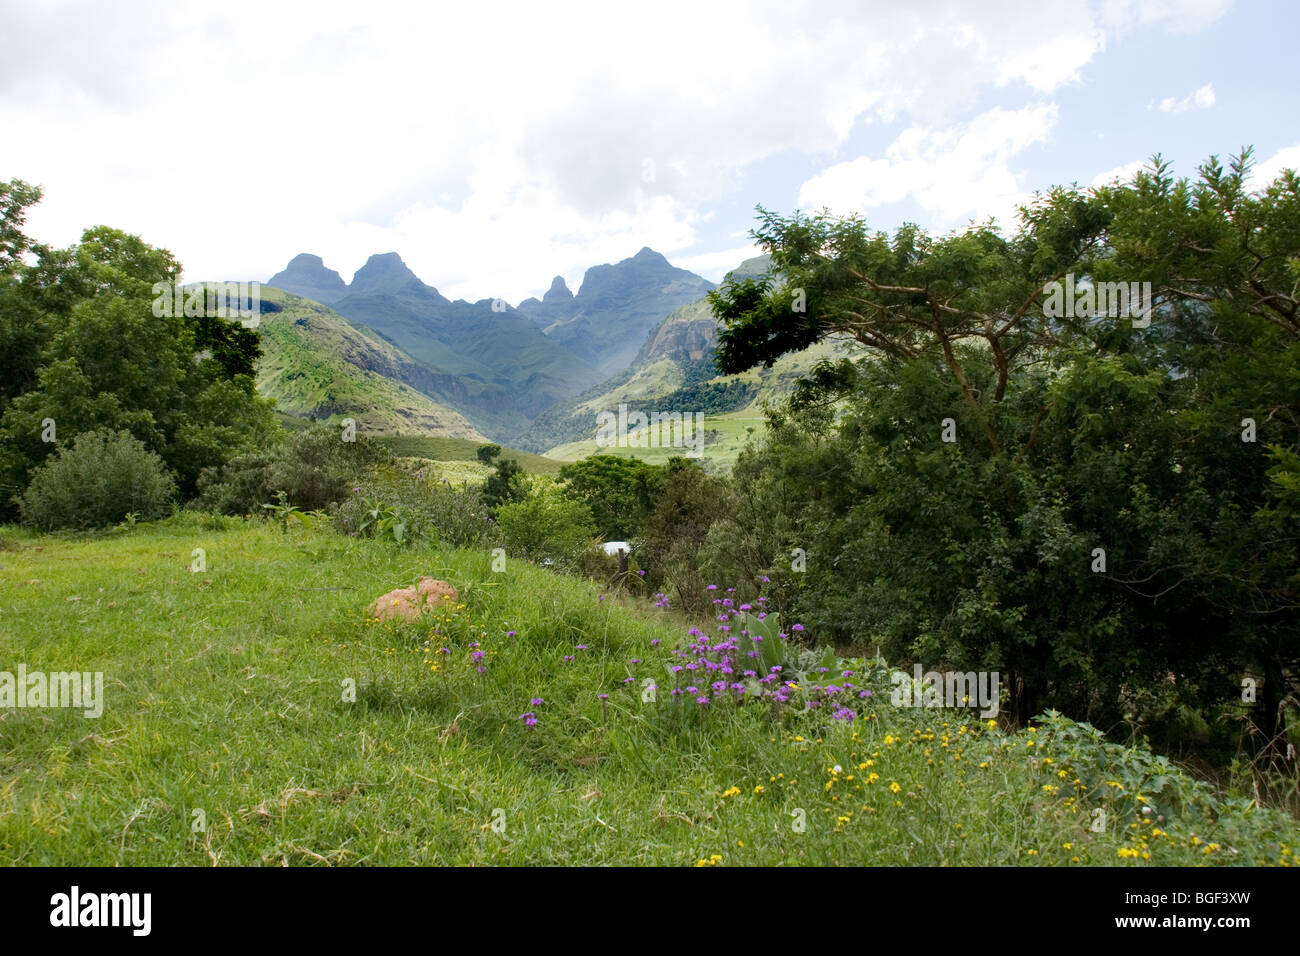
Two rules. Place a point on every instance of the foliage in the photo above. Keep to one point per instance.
(82, 347)
(408, 507)
(546, 525)
(99, 479)
(686, 505)
(953, 492)
(314, 467)
(505, 485)
(618, 491)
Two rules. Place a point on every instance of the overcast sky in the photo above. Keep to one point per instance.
(495, 145)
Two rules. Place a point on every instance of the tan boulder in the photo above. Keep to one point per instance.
(412, 602)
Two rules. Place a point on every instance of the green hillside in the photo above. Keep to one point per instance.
(674, 372)
(437, 448)
(317, 364)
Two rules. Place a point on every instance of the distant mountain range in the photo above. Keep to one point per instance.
(397, 356)
(606, 323)
(502, 366)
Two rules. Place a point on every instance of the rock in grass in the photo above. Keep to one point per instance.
(412, 602)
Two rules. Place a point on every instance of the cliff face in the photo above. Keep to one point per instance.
(688, 334)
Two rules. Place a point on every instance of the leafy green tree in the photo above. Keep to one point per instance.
(82, 348)
(1064, 497)
(544, 524)
(618, 491)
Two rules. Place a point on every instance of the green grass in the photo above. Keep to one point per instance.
(725, 436)
(463, 449)
(225, 695)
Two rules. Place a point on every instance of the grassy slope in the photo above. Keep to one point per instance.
(732, 428)
(223, 694)
(306, 369)
(463, 449)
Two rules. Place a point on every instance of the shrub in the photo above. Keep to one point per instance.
(96, 481)
(314, 467)
(546, 524)
(421, 506)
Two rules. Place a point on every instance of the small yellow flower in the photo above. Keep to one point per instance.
(759, 788)
(894, 787)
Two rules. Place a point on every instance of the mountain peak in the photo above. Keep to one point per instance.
(383, 260)
(306, 275)
(558, 293)
(649, 255)
(385, 273)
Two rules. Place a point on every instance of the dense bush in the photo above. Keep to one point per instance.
(546, 524)
(97, 480)
(314, 467)
(422, 506)
(686, 505)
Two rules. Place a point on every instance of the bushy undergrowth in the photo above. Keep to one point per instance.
(96, 481)
(314, 467)
(405, 505)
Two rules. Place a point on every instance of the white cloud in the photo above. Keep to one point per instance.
(957, 173)
(1262, 176)
(493, 146)
(714, 266)
(1201, 98)
(1124, 174)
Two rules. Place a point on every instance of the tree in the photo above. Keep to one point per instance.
(543, 524)
(81, 347)
(504, 485)
(618, 491)
(1065, 497)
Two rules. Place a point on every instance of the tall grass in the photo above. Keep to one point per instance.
(230, 734)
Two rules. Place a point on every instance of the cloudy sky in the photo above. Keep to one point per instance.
(496, 145)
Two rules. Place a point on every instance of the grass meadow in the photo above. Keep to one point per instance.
(255, 716)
